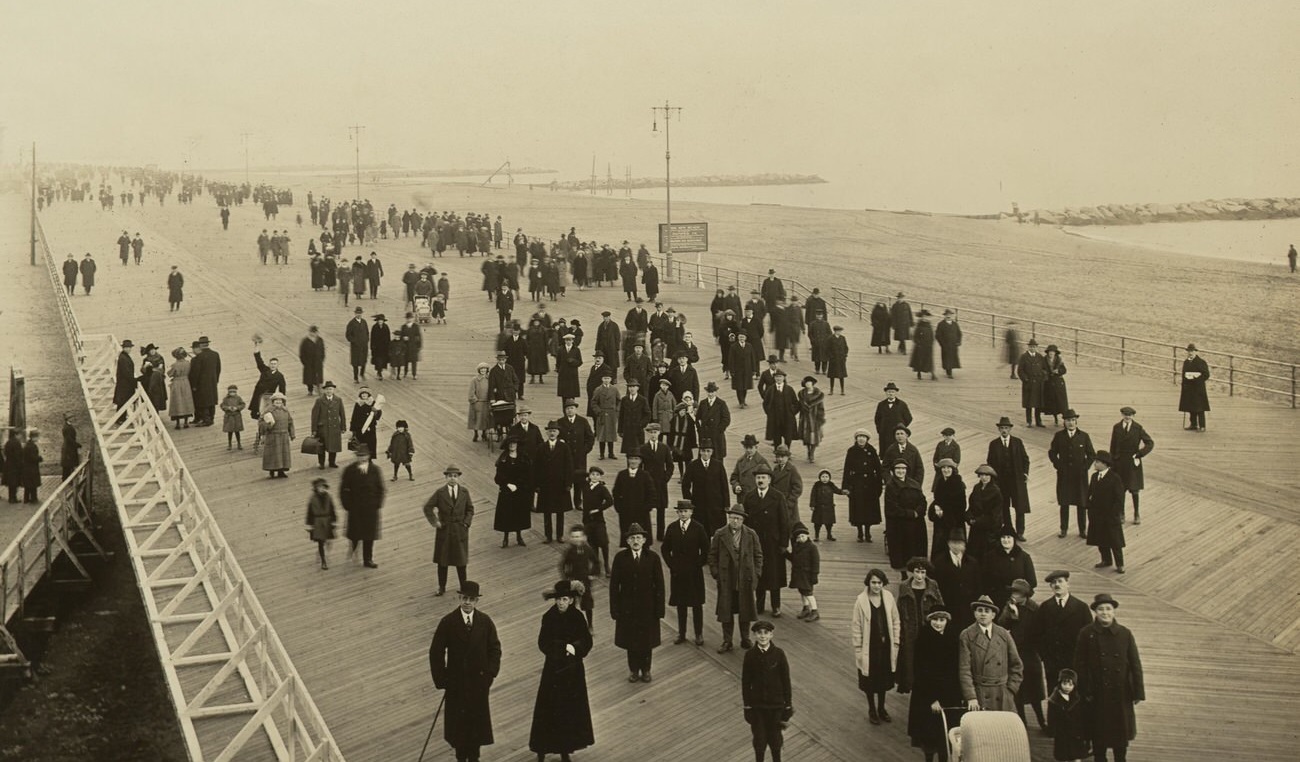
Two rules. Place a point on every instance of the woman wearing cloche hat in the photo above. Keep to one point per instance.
(1110, 679)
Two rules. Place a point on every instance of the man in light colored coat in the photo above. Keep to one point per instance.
(735, 561)
(989, 667)
(450, 511)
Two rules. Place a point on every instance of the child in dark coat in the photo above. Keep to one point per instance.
(400, 450)
(233, 423)
(577, 563)
(1066, 720)
(321, 517)
(595, 500)
(438, 309)
(822, 501)
(805, 565)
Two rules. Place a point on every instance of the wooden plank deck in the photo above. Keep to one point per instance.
(1218, 509)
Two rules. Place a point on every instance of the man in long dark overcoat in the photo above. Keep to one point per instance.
(781, 405)
(328, 422)
(712, 419)
(609, 340)
(636, 602)
(1060, 618)
(205, 374)
(890, 412)
(124, 384)
(311, 353)
(568, 358)
(70, 271)
(88, 268)
(1008, 457)
(1106, 512)
(1110, 679)
(553, 479)
(450, 511)
(634, 496)
(633, 414)
(361, 492)
(357, 334)
(766, 514)
(1032, 371)
(1130, 444)
(900, 318)
(948, 334)
(657, 459)
(862, 478)
(1192, 398)
(576, 432)
(464, 659)
(686, 552)
(705, 485)
(736, 562)
(1071, 453)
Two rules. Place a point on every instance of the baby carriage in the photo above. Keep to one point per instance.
(503, 415)
(986, 736)
(423, 309)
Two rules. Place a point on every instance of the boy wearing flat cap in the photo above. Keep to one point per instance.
(765, 691)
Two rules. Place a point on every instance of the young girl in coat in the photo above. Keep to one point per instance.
(822, 501)
(321, 517)
(400, 450)
(1066, 719)
(596, 499)
(233, 423)
(805, 565)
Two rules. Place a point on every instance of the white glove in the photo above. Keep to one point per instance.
(568, 649)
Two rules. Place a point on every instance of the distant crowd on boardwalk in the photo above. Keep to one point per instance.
(958, 628)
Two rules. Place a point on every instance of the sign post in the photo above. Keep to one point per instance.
(685, 237)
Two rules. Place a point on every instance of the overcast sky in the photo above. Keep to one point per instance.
(940, 105)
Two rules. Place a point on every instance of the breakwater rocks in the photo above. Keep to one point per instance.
(1140, 214)
(698, 181)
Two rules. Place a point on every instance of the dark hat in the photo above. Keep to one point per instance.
(761, 625)
(570, 402)
(680, 406)
(379, 316)
(763, 469)
(1053, 348)
(194, 345)
(147, 348)
(634, 530)
(949, 462)
(899, 462)
(1101, 598)
(919, 562)
(749, 441)
(1033, 342)
(983, 602)
(1070, 414)
(631, 382)
(1022, 587)
(501, 353)
(1191, 348)
(779, 372)
(891, 387)
(923, 313)
(449, 470)
(607, 373)
(772, 359)
(1104, 457)
(900, 295)
(706, 444)
(128, 344)
(552, 425)
(401, 424)
(357, 311)
(836, 328)
(596, 470)
(362, 449)
(781, 449)
(806, 379)
(939, 611)
(653, 426)
(1058, 574)
(562, 589)
(606, 313)
(1004, 421)
(469, 589)
(948, 432)
(985, 468)
(771, 271)
(204, 341)
(958, 534)
(902, 427)
(1067, 674)
(633, 451)
(1126, 410)
(949, 312)
(639, 300)
(711, 387)
(737, 509)
(232, 388)
(685, 505)
(319, 481)
(1006, 531)
(599, 354)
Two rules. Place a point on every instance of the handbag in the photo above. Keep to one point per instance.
(311, 446)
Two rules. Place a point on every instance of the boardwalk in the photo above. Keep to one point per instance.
(1213, 554)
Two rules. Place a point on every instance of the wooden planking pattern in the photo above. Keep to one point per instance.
(326, 618)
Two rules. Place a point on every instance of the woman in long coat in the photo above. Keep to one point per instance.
(917, 596)
(514, 506)
(1056, 399)
(861, 478)
(837, 358)
(740, 364)
(381, 337)
(1110, 678)
(329, 272)
(180, 406)
(562, 712)
(311, 353)
(480, 414)
(904, 516)
(568, 358)
(880, 328)
(922, 360)
(984, 513)
(877, 637)
(1000, 568)
(947, 505)
(278, 433)
(538, 349)
(1022, 623)
(812, 415)
(153, 378)
(934, 682)
(364, 423)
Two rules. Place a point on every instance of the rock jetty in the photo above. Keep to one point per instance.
(1141, 214)
(698, 181)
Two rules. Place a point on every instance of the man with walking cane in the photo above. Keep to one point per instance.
(464, 659)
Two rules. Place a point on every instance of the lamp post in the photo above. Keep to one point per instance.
(669, 112)
(356, 137)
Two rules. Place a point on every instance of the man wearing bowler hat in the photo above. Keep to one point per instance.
(328, 422)
(1129, 446)
(705, 485)
(890, 412)
(636, 602)
(735, 561)
(1071, 454)
(1008, 457)
(686, 552)
(1193, 398)
(357, 334)
(634, 495)
(450, 511)
(1110, 679)
(205, 376)
(1060, 618)
(1032, 371)
(553, 476)
(988, 665)
(1106, 513)
(464, 659)
(766, 514)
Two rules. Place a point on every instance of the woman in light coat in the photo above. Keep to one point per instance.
(877, 636)
(278, 432)
(180, 406)
(480, 414)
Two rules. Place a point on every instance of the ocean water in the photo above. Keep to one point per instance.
(1258, 241)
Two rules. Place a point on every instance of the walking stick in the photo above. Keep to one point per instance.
(431, 726)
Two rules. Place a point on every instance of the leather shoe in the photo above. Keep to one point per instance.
(645, 677)
(776, 613)
(680, 640)
(725, 647)
(745, 644)
(699, 641)
(884, 716)
(370, 565)
(1060, 534)
(871, 715)
(634, 678)
(1119, 569)
(1101, 565)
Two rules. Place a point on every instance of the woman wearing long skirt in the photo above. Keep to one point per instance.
(562, 713)
(812, 415)
(480, 415)
(180, 406)
(1056, 399)
(935, 685)
(278, 432)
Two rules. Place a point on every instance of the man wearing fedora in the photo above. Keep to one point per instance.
(328, 422)
(634, 495)
(742, 473)
(890, 412)
(124, 384)
(781, 404)
(633, 415)
(636, 602)
(1071, 453)
(576, 432)
(450, 511)
(553, 477)
(361, 492)
(705, 485)
(1008, 457)
(1060, 618)
(357, 334)
(735, 562)
(1110, 679)
(900, 318)
(948, 334)
(1193, 398)
(766, 513)
(1130, 444)
(922, 360)
(686, 552)
(773, 291)
(464, 659)
(989, 668)
(1032, 371)
(903, 449)
(1106, 512)
(205, 375)
(712, 419)
(657, 459)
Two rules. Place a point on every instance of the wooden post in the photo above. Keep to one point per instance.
(1076, 344)
(859, 309)
(1293, 387)
(1231, 374)
(1174, 349)
(993, 330)
(1121, 355)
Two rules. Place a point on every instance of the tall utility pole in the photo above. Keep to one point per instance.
(356, 138)
(669, 112)
(245, 136)
(593, 174)
(33, 203)
(627, 189)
